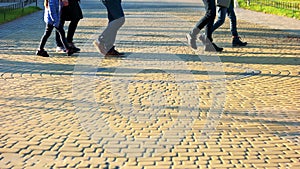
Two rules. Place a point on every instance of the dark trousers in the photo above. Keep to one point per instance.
(71, 31)
(48, 31)
(222, 11)
(208, 19)
(114, 9)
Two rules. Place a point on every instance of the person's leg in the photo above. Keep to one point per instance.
(63, 39)
(41, 51)
(236, 40)
(116, 20)
(71, 30)
(232, 17)
(221, 18)
(205, 19)
(57, 36)
(46, 35)
(209, 15)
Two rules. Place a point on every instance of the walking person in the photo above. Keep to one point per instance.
(52, 19)
(72, 13)
(105, 43)
(208, 21)
(222, 11)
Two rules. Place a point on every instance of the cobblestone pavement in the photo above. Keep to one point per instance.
(162, 106)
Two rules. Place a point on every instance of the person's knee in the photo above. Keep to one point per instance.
(118, 22)
(210, 14)
(121, 21)
(221, 20)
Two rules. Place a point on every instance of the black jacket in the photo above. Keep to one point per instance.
(72, 11)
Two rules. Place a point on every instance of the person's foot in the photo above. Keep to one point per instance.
(212, 47)
(42, 53)
(74, 48)
(100, 46)
(69, 52)
(236, 41)
(114, 53)
(191, 41)
(202, 38)
(60, 49)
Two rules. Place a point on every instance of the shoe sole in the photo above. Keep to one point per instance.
(47, 55)
(213, 50)
(238, 45)
(76, 51)
(60, 51)
(43, 56)
(114, 56)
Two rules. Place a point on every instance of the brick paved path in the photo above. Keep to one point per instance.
(163, 106)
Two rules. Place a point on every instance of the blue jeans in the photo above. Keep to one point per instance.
(222, 11)
(208, 19)
(114, 9)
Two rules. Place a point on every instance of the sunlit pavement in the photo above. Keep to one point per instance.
(162, 106)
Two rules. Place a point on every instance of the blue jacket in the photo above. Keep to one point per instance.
(52, 13)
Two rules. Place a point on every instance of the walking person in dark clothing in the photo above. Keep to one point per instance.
(208, 21)
(72, 13)
(52, 19)
(222, 11)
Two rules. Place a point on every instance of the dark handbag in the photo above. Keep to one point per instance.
(223, 3)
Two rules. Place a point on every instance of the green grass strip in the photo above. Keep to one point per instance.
(270, 10)
(6, 16)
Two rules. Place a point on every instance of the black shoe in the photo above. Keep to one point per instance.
(42, 53)
(212, 47)
(236, 41)
(74, 48)
(69, 52)
(114, 53)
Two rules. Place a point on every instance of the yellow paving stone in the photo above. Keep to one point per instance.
(279, 160)
(235, 157)
(294, 165)
(215, 153)
(71, 153)
(201, 163)
(61, 164)
(83, 164)
(260, 165)
(163, 163)
(50, 153)
(9, 150)
(223, 166)
(132, 167)
(185, 166)
(70, 148)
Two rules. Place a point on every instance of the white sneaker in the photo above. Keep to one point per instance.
(191, 41)
(100, 46)
(60, 49)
